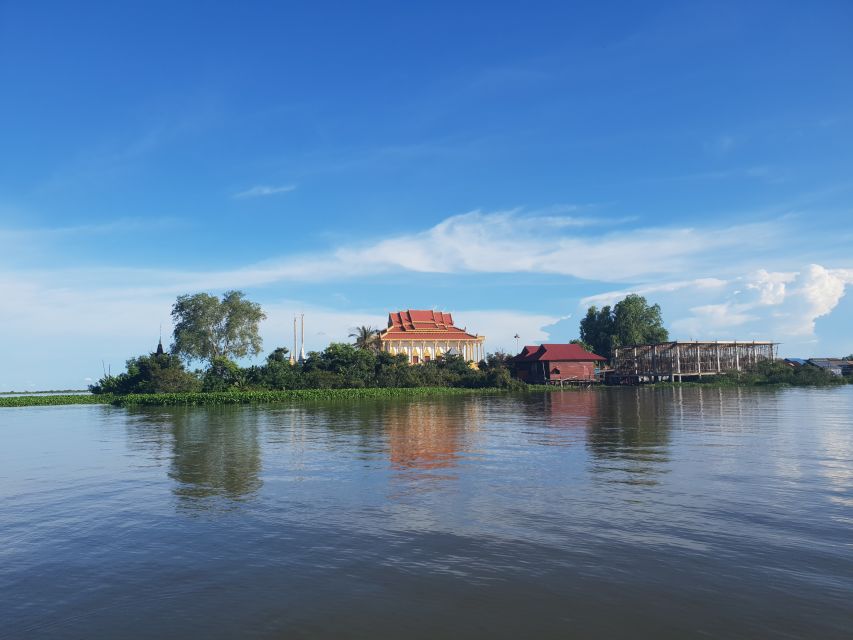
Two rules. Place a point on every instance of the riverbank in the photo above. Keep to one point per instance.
(298, 395)
(252, 397)
(53, 400)
(43, 392)
(752, 381)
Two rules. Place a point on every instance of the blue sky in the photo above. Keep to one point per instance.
(511, 163)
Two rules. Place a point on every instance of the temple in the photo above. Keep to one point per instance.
(425, 335)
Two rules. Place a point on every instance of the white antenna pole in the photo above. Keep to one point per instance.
(293, 353)
(302, 349)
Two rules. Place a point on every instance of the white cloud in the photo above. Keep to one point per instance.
(612, 297)
(771, 286)
(264, 190)
(117, 226)
(777, 305)
(814, 293)
(476, 243)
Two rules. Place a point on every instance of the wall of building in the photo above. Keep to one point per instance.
(419, 351)
(532, 372)
(572, 371)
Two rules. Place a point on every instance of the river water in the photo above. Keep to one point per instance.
(622, 513)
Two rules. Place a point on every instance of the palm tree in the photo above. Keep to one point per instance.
(366, 337)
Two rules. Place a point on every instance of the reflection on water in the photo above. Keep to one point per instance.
(629, 437)
(215, 452)
(430, 435)
(690, 512)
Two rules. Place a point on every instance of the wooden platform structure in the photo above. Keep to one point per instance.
(677, 361)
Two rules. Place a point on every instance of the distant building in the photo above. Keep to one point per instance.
(836, 366)
(423, 335)
(556, 364)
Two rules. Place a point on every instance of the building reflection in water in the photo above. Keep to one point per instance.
(430, 435)
(564, 416)
(630, 437)
(215, 451)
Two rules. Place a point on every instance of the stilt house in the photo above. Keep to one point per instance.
(556, 364)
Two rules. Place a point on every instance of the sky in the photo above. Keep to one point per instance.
(512, 163)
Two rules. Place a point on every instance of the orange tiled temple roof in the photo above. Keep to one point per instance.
(419, 324)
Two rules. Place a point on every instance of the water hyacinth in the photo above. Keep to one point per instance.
(293, 395)
(53, 400)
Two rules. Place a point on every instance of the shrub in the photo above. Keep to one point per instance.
(154, 373)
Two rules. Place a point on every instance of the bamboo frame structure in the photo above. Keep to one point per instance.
(675, 361)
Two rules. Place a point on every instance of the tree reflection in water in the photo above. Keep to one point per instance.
(215, 451)
(629, 438)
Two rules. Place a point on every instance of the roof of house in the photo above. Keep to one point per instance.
(527, 351)
(830, 362)
(420, 324)
(556, 353)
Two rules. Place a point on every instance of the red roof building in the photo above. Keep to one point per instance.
(424, 335)
(556, 364)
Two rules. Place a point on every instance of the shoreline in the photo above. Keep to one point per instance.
(254, 397)
(202, 398)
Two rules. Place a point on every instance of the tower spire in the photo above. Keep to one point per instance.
(160, 342)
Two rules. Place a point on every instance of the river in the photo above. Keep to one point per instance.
(621, 513)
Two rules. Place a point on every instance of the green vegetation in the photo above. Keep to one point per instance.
(780, 373)
(45, 401)
(631, 321)
(55, 391)
(155, 373)
(366, 337)
(771, 374)
(296, 395)
(254, 397)
(339, 366)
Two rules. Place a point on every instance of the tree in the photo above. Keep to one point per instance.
(356, 366)
(597, 330)
(631, 321)
(207, 328)
(223, 375)
(154, 373)
(277, 373)
(278, 355)
(583, 345)
(637, 322)
(496, 360)
(366, 337)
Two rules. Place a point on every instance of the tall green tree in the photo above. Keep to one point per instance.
(597, 329)
(637, 322)
(632, 321)
(366, 337)
(207, 328)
